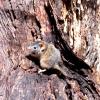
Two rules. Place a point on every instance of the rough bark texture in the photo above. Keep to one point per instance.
(73, 26)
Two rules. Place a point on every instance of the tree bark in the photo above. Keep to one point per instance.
(73, 26)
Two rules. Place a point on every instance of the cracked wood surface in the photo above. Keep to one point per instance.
(69, 25)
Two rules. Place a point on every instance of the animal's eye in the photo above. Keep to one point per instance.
(34, 47)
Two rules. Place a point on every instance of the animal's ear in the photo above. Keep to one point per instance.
(41, 44)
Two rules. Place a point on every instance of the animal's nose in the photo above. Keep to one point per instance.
(29, 48)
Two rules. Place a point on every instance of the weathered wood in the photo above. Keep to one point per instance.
(71, 25)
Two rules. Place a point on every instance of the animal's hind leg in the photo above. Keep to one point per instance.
(41, 71)
(44, 66)
(57, 67)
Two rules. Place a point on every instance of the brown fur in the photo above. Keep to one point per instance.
(49, 56)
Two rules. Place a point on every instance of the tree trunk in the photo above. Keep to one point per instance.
(73, 26)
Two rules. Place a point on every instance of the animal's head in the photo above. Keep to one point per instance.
(36, 46)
